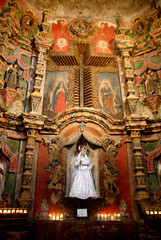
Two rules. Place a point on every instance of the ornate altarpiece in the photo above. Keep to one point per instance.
(88, 116)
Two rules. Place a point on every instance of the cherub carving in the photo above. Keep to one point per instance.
(54, 147)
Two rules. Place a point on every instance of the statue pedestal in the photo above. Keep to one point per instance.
(153, 102)
(8, 96)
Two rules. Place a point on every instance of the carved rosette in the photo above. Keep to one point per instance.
(81, 28)
(26, 198)
(139, 174)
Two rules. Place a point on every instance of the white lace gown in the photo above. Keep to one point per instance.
(83, 184)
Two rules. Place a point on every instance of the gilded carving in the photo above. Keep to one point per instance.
(55, 146)
(28, 23)
(111, 151)
(81, 28)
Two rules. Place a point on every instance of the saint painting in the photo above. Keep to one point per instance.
(106, 98)
(83, 182)
(110, 100)
(59, 98)
(55, 95)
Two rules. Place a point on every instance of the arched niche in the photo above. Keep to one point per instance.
(101, 150)
(93, 155)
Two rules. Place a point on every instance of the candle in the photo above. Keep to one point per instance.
(159, 212)
(1, 211)
(118, 216)
(57, 217)
(53, 216)
(13, 211)
(21, 211)
(102, 215)
(25, 211)
(112, 218)
(17, 211)
(61, 217)
(5, 211)
(98, 216)
(9, 211)
(105, 216)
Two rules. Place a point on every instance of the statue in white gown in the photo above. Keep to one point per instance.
(83, 184)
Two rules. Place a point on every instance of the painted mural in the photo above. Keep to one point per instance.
(105, 37)
(55, 93)
(109, 94)
(101, 32)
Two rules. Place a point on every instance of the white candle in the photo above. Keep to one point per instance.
(118, 216)
(61, 217)
(57, 217)
(98, 216)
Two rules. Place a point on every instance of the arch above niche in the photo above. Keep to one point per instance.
(87, 116)
(103, 148)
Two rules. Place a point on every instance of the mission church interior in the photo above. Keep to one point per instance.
(80, 119)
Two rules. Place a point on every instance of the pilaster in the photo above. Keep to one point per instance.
(25, 200)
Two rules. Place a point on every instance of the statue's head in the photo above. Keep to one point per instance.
(83, 150)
